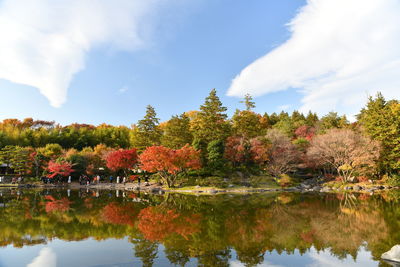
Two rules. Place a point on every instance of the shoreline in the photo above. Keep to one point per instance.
(197, 190)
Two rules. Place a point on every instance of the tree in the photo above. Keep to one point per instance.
(215, 155)
(146, 133)
(381, 121)
(283, 154)
(122, 160)
(59, 169)
(345, 151)
(240, 150)
(210, 123)
(177, 132)
(305, 131)
(332, 120)
(248, 101)
(169, 163)
(51, 151)
(248, 124)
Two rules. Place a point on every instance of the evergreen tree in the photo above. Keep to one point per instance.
(177, 132)
(381, 120)
(146, 132)
(210, 123)
(248, 101)
(311, 119)
(247, 124)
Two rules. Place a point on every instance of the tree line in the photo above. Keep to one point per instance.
(208, 143)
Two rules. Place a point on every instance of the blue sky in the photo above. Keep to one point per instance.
(180, 51)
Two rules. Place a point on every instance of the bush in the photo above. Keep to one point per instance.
(212, 181)
(285, 180)
(393, 180)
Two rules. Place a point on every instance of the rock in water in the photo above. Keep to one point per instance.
(393, 254)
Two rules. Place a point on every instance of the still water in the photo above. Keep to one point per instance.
(48, 228)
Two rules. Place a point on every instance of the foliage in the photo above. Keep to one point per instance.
(59, 169)
(345, 151)
(177, 132)
(283, 154)
(169, 163)
(122, 160)
(146, 132)
(211, 122)
(381, 121)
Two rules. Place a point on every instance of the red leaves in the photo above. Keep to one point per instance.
(240, 150)
(122, 159)
(163, 159)
(156, 224)
(57, 205)
(306, 132)
(116, 213)
(59, 168)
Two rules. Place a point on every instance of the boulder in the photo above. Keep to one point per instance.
(393, 254)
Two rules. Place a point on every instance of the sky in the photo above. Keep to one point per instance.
(104, 61)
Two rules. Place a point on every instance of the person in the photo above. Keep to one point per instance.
(138, 179)
(1, 179)
(69, 179)
(98, 179)
(124, 180)
(117, 179)
(111, 179)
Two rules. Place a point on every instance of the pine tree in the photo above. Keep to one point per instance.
(211, 122)
(177, 132)
(248, 101)
(381, 120)
(146, 132)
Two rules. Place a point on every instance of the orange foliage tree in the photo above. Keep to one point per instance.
(122, 160)
(59, 169)
(170, 163)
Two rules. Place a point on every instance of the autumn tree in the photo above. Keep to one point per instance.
(240, 150)
(248, 102)
(59, 169)
(122, 160)
(177, 132)
(146, 132)
(211, 122)
(344, 151)
(248, 124)
(169, 163)
(283, 154)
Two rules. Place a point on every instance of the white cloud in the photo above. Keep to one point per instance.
(339, 52)
(123, 89)
(46, 258)
(44, 42)
(325, 258)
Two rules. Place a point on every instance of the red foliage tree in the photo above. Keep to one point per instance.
(169, 163)
(122, 160)
(156, 223)
(60, 169)
(306, 132)
(240, 150)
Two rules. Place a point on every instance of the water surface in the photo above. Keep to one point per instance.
(116, 228)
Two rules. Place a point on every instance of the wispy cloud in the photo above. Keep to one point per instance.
(123, 89)
(44, 43)
(339, 52)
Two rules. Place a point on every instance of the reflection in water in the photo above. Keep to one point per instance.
(217, 230)
(46, 258)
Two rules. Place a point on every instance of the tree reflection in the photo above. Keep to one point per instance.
(205, 228)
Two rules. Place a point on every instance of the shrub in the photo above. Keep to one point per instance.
(394, 180)
(285, 180)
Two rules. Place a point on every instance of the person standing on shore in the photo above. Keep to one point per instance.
(69, 179)
(117, 179)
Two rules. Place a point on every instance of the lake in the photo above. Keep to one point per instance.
(40, 228)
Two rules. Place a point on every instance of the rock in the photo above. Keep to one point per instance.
(213, 191)
(357, 188)
(348, 188)
(393, 254)
(316, 188)
(197, 186)
(231, 185)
